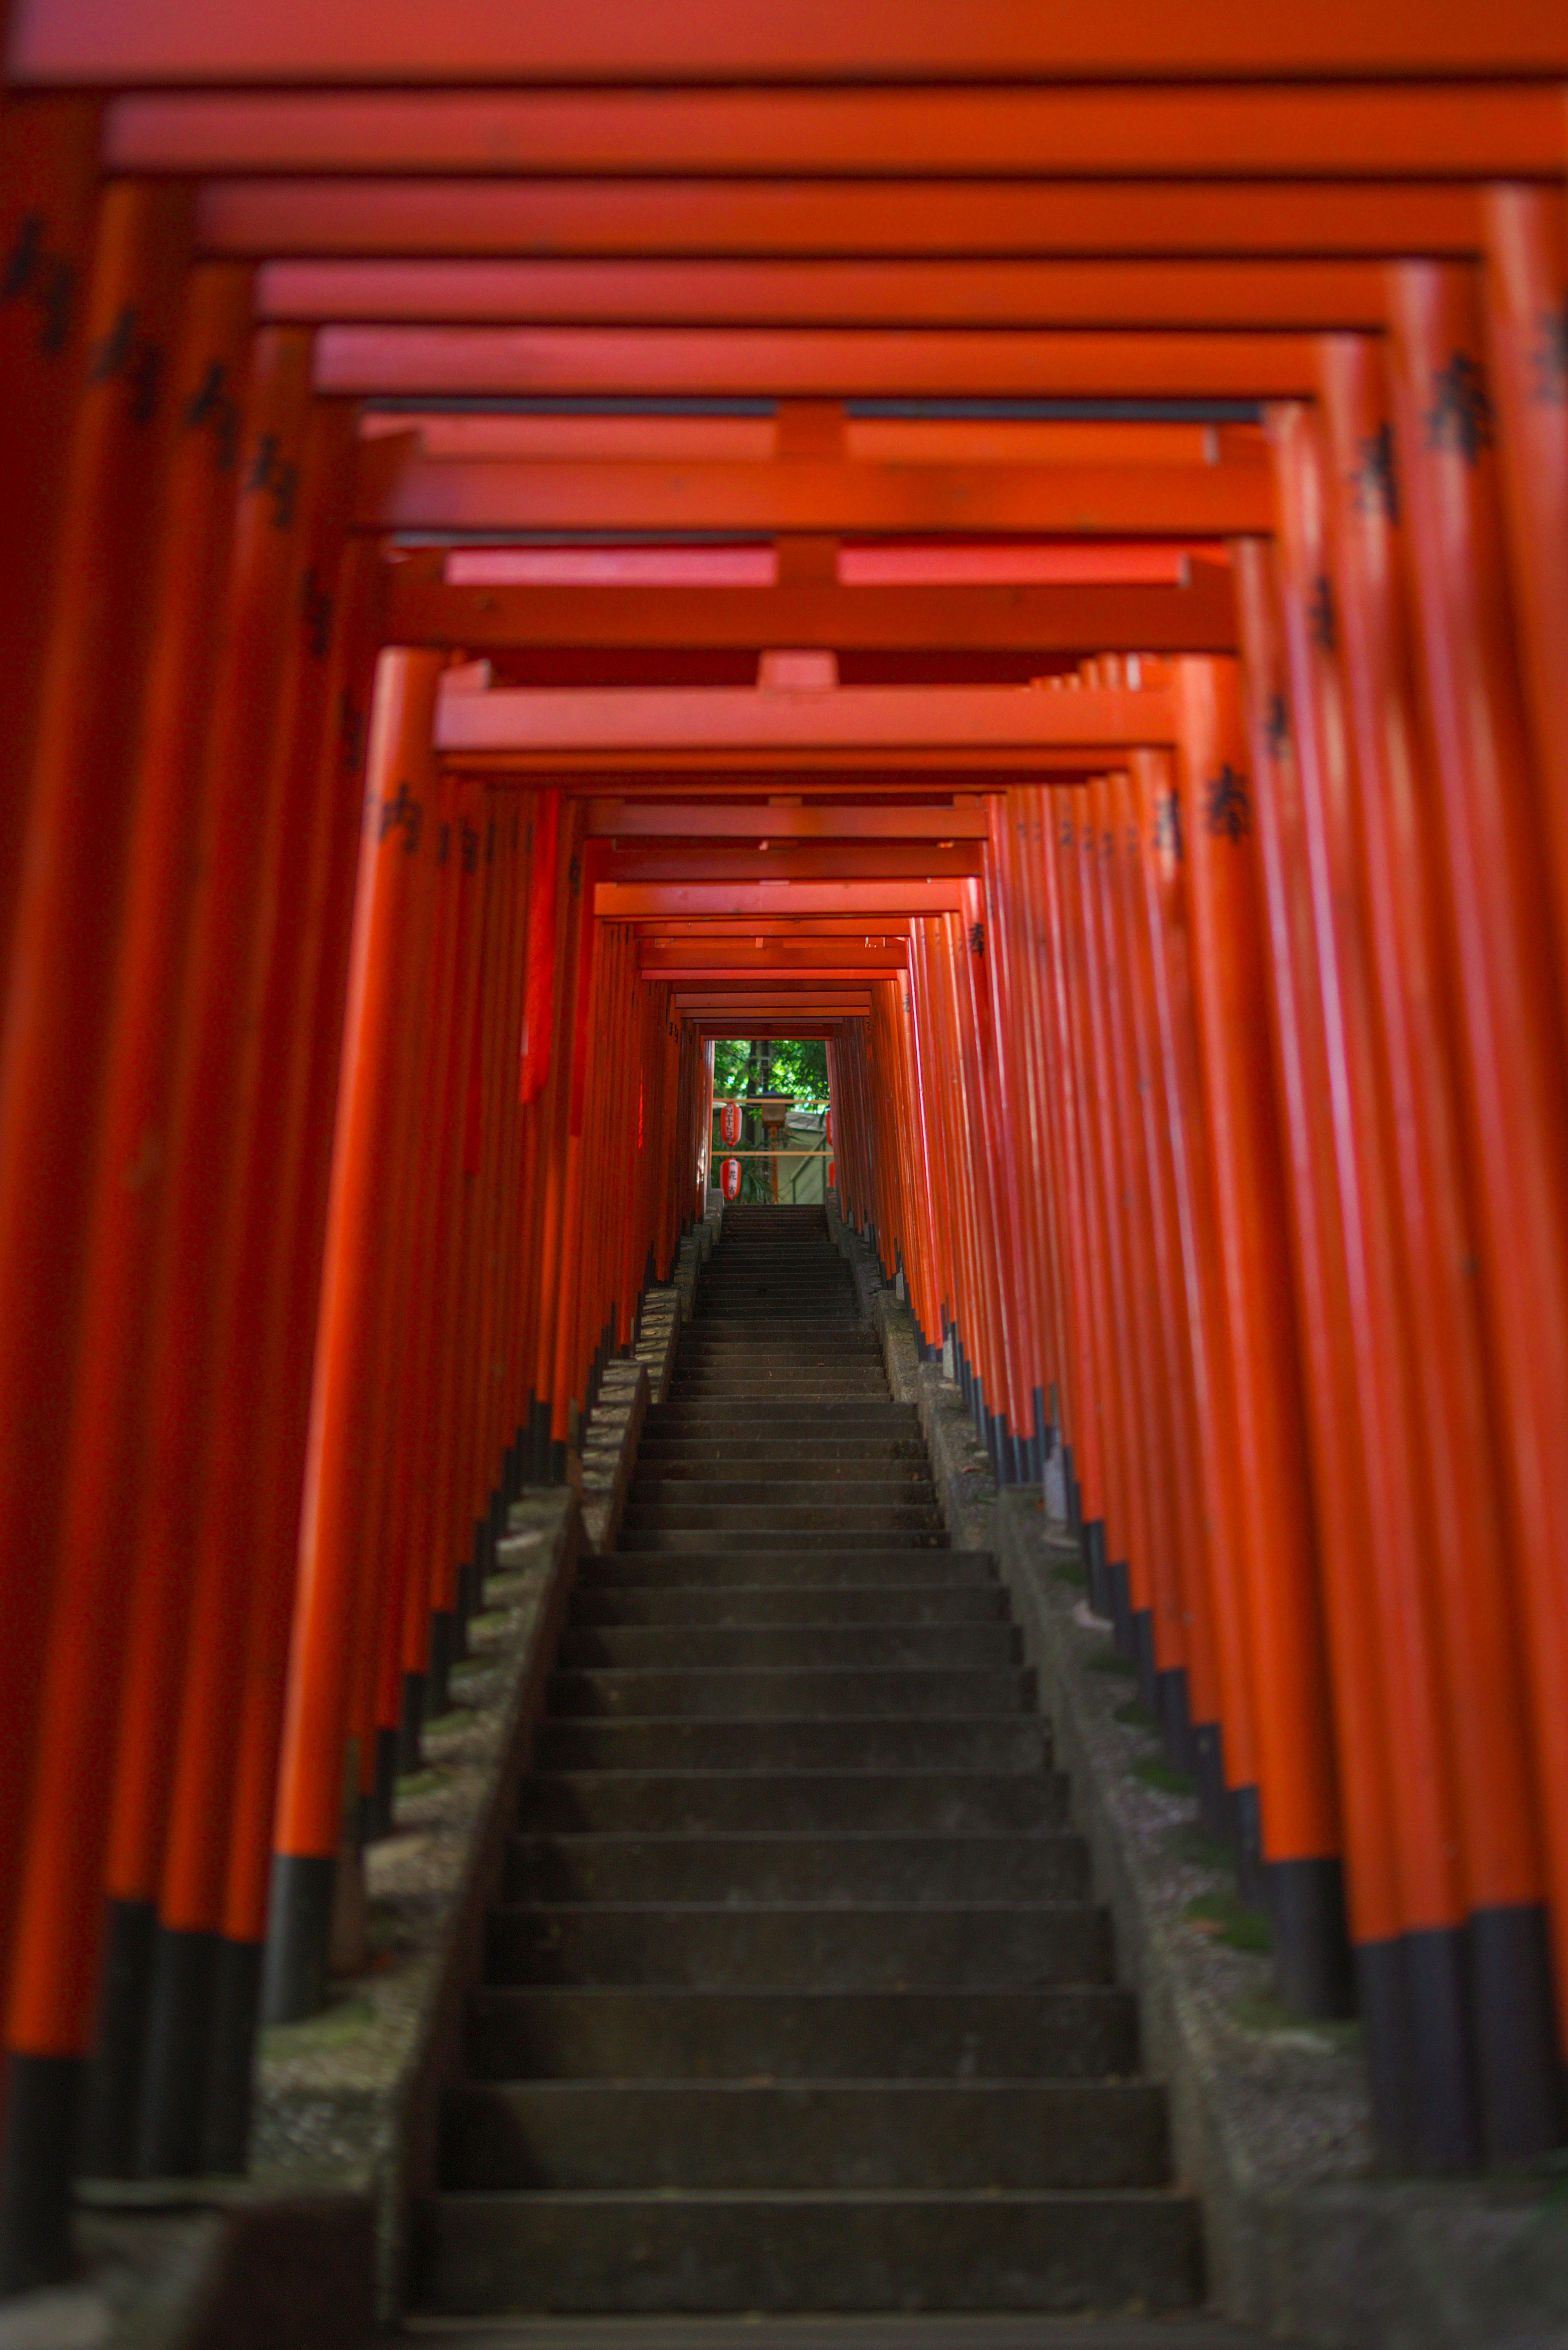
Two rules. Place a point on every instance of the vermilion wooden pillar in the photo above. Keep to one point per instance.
(311, 1790)
(1494, 859)
(1362, 1275)
(49, 205)
(1476, 1602)
(62, 1925)
(1526, 293)
(56, 1024)
(197, 1246)
(1267, 1629)
(329, 727)
(269, 1058)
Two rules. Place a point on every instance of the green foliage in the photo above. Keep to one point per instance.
(799, 1067)
(1135, 1715)
(1107, 1660)
(1227, 1917)
(1154, 1773)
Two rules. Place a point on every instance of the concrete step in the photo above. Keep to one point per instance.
(698, 1463)
(829, 1648)
(747, 1542)
(775, 1866)
(952, 1802)
(782, 1517)
(819, 1946)
(777, 2250)
(1013, 1742)
(827, 1455)
(848, 2135)
(761, 1694)
(798, 1419)
(805, 1563)
(899, 1492)
(749, 1606)
(628, 2033)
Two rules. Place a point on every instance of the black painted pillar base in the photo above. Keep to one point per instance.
(1312, 1967)
(409, 1756)
(299, 1936)
(1099, 1574)
(37, 2164)
(1040, 1440)
(1521, 2115)
(1213, 1807)
(1419, 2053)
(1251, 1880)
(437, 1672)
(471, 1595)
(558, 1473)
(179, 2037)
(1448, 2118)
(111, 2102)
(1074, 1491)
(377, 1810)
(1143, 1659)
(1174, 1720)
(231, 2069)
(1121, 1610)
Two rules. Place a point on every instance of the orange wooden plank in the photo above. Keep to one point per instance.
(620, 901)
(810, 41)
(260, 218)
(766, 819)
(1199, 618)
(956, 717)
(398, 490)
(816, 861)
(905, 291)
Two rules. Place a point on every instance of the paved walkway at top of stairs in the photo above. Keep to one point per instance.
(796, 1999)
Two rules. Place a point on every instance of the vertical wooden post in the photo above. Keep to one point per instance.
(1501, 965)
(52, 1055)
(310, 1792)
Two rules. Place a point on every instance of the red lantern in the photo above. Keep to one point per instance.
(830, 1126)
(830, 1174)
(729, 1125)
(730, 1178)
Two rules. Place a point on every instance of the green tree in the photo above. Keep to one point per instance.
(757, 1065)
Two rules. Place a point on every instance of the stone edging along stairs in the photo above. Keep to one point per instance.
(795, 2001)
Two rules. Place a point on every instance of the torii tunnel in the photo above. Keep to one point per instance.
(1029, 545)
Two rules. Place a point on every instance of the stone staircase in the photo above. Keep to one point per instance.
(795, 2001)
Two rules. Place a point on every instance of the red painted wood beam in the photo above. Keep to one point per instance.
(776, 820)
(260, 219)
(1203, 130)
(969, 292)
(813, 975)
(399, 490)
(653, 438)
(622, 902)
(1197, 618)
(816, 861)
(816, 362)
(958, 719)
(696, 931)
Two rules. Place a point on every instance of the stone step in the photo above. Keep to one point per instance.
(924, 1945)
(827, 1455)
(898, 1491)
(750, 1606)
(775, 1866)
(776, 2250)
(763, 1694)
(835, 1647)
(756, 1542)
(791, 1417)
(629, 2033)
(805, 1563)
(952, 1802)
(698, 1461)
(1012, 1741)
(828, 1517)
(849, 2135)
